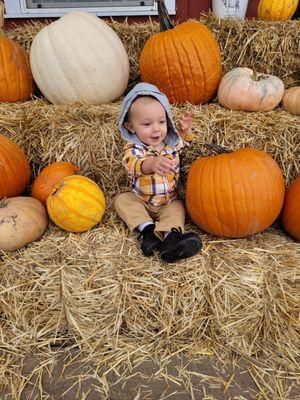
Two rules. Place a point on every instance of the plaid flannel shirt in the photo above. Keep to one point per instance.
(154, 189)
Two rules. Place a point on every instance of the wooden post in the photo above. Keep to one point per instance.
(1, 14)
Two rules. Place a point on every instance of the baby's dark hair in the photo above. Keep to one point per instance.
(142, 96)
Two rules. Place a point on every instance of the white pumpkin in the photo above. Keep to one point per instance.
(247, 90)
(79, 58)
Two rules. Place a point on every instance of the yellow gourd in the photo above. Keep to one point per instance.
(76, 204)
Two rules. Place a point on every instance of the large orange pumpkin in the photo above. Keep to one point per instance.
(14, 169)
(276, 10)
(16, 83)
(49, 177)
(183, 62)
(235, 194)
(290, 216)
(76, 204)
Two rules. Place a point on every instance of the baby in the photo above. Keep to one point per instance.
(151, 159)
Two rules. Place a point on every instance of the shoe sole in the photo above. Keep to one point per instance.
(150, 251)
(188, 248)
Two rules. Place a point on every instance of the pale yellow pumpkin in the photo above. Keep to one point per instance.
(276, 10)
(79, 58)
(291, 100)
(22, 220)
(245, 90)
(76, 204)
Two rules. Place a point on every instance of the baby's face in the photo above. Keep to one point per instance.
(147, 118)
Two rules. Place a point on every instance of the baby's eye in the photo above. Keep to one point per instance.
(162, 122)
(146, 123)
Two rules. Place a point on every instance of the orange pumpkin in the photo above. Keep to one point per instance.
(235, 194)
(244, 89)
(290, 216)
(183, 62)
(14, 169)
(16, 83)
(49, 177)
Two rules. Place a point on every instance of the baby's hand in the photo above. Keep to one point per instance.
(185, 122)
(163, 165)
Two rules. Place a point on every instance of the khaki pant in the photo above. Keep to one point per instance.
(134, 212)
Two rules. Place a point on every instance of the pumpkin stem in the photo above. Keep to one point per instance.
(254, 76)
(164, 18)
(216, 148)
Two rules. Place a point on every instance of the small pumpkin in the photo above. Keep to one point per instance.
(49, 177)
(290, 216)
(244, 89)
(16, 83)
(79, 58)
(76, 204)
(14, 168)
(22, 220)
(276, 10)
(291, 100)
(235, 194)
(184, 61)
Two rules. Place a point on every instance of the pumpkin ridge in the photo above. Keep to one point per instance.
(64, 46)
(26, 169)
(108, 33)
(266, 189)
(164, 43)
(86, 192)
(12, 166)
(202, 194)
(80, 61)
(66, 206)
(213, 199)
(3, 57)
(210, 48)
(251, 203)
(19, 72)
(191, 62)
(200, 69)
(236, 218)
(179, 53)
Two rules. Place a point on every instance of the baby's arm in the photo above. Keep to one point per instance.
(158, 165)
(185, 126)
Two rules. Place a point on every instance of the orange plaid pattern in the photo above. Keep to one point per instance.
(153, 189)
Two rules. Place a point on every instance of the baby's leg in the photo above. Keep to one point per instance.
(170, 216)
(132, 210)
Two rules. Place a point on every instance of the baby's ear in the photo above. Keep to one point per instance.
(128, 126)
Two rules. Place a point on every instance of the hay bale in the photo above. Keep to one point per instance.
(270, 47)
(31, 303)
(164, 301)
(267, 46)
(254, 294)
(88, 136)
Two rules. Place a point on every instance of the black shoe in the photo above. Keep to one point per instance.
(177, 245)
(150, 241)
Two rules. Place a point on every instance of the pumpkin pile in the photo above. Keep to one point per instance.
(74, 203)
(80, 58)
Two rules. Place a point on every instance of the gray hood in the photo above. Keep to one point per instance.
(146, 89)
